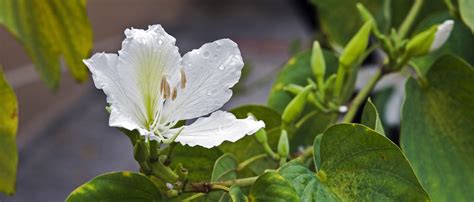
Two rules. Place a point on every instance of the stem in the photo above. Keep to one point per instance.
(249, 161)
(362, 95)
(195, 196)
(221, 187)
(270, 151)
(306, 153)
(206, 187)
(306, 118)
(452, 9)
(408, 22)
(340, 75)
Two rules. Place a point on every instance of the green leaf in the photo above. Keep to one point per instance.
(437, 129)
(116, 186)
(49, 29)
(465, 8)
(237, 195)
(296, 71)
(370, 117)
(273, 187)
(305, 182)
(359, 163)
(197, 160)
(8, 127)
(459, 43)
(224, 169)
(271, 118)
(317, 151)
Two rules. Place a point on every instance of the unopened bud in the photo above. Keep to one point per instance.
(318, 64)
(261, 136)
(430, 40)
(140, 151)
(283, 145)
(355, 49)
(296, 106)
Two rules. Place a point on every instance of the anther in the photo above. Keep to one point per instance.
(183, 79)
(167, 89)
(174, 93)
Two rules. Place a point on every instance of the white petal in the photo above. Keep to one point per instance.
(211, 131)
(210, 73)
(442, 34)
(146, 57)
(104, 73)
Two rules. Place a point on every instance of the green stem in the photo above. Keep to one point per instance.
(242, 182)
(306, 153)
(362, 95)
(249, 161)
(206, 187)
(306, 118)
(219, 187)
(410, 18)
(270, 151)
(341, 74)
(195, 196)
(452, 9)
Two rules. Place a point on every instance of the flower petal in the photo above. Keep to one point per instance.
(210, 72)
(147, 56)
(211, 131)
(104, 73)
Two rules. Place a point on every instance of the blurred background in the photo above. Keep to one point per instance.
(64, 139)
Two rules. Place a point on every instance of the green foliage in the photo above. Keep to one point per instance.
(437, 130)
(8, 127)
(197, 160)
(272, 186)
(370, 117)
(459, 43)
(49, 29)
(465, 8)
(224, 169)
(236, 194)
(116, 186)
(359, 163)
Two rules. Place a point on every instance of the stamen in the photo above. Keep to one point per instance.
(183, 79)
(162, 86)
(167, 89)
(174, 93)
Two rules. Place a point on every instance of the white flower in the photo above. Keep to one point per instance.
(150, 88)
(442, 34)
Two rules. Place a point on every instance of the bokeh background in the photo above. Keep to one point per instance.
(63, 136)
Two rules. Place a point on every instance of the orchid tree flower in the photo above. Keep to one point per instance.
(150, 87)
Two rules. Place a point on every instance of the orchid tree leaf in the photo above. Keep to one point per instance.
(357, 163)
(49, 29)
(117, 186)
(370, 117)
(459, 43)
(437, 130)
(272, 186)
(248, 146)
(465, 8)
(197, 160)
(8, 129)
(317, 151)
(237, 195)
(224, 169)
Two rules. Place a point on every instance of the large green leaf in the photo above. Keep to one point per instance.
(273, 187)
(116, 186)
(49, 29)
(224, 169)
(8, 127)
(466, 7)
(197, 160)
(437, 131)
(370, 117)
(237, 195)
(359, 163)
(459, 43)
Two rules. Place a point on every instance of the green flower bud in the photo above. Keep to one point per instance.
(261, 136)
(283, 145)
(318, 65)
(296, 106)
(140, 151)
(429, 40)
(367, 16)
(355, 49)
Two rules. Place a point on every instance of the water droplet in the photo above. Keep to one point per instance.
(206, 54)
(160, 42)
(221, 128)
(221, 67)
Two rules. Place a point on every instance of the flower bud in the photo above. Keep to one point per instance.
(429, 40)
(355, 49)
(318, 65)
(261, 136)
(296, 106)
(140, 151)
(283, 145)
